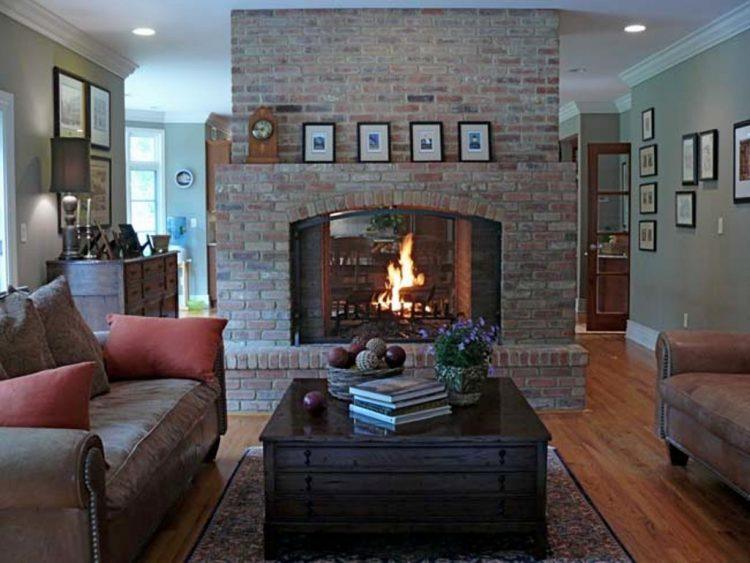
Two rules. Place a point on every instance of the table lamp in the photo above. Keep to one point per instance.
(71, 175)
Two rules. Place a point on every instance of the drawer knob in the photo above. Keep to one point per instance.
(501, 483)
(501, 457)
(308, 483)
(308, 453)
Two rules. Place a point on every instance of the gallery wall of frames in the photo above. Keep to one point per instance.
(699, 163)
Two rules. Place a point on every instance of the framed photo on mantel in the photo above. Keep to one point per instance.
(319, 142)
(426, 141)
(475, 141)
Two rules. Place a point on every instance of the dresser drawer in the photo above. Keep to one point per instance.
(404, 509)
(153, 288)
(133, 294)
(133, 274)
(301, 483)
(363, 458)
(153, 268)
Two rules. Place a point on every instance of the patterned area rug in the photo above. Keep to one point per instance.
(576, 530)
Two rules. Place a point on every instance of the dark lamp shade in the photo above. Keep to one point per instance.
(71, 170)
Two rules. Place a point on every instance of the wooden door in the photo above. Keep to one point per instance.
(217, 153)
(608, 245)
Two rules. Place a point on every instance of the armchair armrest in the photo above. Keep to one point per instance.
(50, 468)
(683, 351)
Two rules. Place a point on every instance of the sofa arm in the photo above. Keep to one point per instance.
(50, 468)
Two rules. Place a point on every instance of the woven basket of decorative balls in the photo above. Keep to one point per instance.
(362, 361)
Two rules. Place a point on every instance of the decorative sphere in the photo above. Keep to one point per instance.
(338, 357)
(356, 347)
(378, 346)
(367, 360)
(395, 356)
(314, 402)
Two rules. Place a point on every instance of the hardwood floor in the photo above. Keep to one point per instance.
(660, 512)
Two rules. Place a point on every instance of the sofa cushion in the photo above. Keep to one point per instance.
(718, 401)
(141, 423)
(23, 343)
(54, 398)
(69, 337)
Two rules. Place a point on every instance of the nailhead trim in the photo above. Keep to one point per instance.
(92, 508)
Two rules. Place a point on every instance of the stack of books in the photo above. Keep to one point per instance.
(391, 402)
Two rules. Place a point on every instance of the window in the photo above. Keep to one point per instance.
(145, 178)
(7, 193)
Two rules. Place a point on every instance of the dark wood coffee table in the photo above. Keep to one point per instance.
(481, 469)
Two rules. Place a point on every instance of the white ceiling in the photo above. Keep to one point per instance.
(185, 70)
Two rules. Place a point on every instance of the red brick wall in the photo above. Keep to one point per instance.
(347, 66)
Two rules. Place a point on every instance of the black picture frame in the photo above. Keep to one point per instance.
(714, 135)
(90, 117)
(656, 161)
(644, 136)
(745, 197)
(439, 124)
(693, 197)
(57, 72)
(640, 242)
(656, 198)
(488, 125)
(330, 124)
(387, 125)
(693, 180)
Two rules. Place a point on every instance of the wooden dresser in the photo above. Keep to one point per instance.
(144, 286)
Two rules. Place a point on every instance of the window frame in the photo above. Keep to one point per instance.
(155, 166)
(8, 199)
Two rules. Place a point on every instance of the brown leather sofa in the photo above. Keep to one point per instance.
(703, 402)
(73, 495)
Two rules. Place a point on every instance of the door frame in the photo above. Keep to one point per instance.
(10, 264)
(604, 321)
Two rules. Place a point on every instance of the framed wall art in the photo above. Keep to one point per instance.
(647, 236)
(70, 104)
(685, 209)
(373, 142)
(99, 117)
(690, 159)
(319, 142)
(709, 155)
(101, 196)
(647, 164)
(647, 125)
(742, 162)
(475, 141)
(426, 141)
(648, 198)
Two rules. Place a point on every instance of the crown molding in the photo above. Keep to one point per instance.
(568, 111)
(52, 26)
(144, 115)
(624, 102)
(721, 29)
(573, 109)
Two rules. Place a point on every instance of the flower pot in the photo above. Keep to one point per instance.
(464, 384)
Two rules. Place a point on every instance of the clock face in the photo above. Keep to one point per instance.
(262, 129)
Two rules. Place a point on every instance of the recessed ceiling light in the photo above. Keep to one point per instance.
(577, 69)
(635, 28)
(144, 31)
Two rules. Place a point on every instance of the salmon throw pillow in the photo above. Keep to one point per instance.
(148, 347)
(53, 398)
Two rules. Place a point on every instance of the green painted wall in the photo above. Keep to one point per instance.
(26, 62)
(694, 271)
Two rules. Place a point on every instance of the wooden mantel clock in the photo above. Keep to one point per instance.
(263, 144)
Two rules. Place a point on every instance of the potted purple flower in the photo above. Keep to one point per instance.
(462, 354)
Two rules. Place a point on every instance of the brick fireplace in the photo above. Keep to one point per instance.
(399, 66)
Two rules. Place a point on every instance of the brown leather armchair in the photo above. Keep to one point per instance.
(703, 401)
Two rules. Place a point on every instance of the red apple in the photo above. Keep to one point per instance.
(314, 402)
(338, 357)
(395, 356)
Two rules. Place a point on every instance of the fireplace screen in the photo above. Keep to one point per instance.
(392, 273)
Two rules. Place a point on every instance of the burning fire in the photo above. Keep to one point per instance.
(400, 277)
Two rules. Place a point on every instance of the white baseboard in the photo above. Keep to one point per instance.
(642, 334)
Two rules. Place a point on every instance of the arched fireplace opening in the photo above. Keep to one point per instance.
(398, 273)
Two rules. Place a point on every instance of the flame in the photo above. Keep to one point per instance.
(400, 277)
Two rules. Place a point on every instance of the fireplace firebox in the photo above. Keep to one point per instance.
(392, 272)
